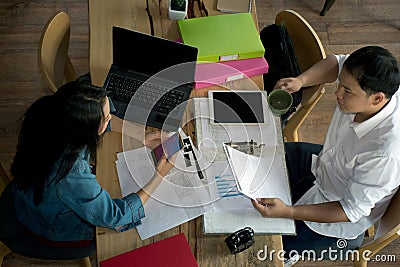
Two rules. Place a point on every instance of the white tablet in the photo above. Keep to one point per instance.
(243, 107)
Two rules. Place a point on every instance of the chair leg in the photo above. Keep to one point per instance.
(361, 263)
(327, 6)
(4, 251)
(371, 231)
(85, 262)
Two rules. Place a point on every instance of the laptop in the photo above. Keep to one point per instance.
(150, 79)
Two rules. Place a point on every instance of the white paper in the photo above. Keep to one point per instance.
(250, 172)
(276, 184)
(229, 221)
(180, 197)
(223, 188)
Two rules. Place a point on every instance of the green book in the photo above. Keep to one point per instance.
(222, 37)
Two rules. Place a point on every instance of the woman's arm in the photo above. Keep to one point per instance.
(163, 167)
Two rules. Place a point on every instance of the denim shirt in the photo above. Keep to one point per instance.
(71, 208)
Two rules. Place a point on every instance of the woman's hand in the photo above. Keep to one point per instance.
(272, 207)
(164, 165)
(152, 139)
(290, 85)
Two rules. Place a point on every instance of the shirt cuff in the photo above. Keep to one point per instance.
(135, 204)
(353, 213)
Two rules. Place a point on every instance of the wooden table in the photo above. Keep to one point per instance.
(152, 17)
(146, 16)
(209, 250)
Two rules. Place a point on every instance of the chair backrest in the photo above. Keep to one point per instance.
(5, 179)
(307, 45)
(54, 62)
(388, 231)
(391, 219)
(13, 236)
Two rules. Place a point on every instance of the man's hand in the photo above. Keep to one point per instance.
(328, 212)
(271, 207)
(290, 85)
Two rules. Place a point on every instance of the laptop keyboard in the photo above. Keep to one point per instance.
(123, 89)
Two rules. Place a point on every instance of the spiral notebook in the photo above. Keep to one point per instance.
(234, 6)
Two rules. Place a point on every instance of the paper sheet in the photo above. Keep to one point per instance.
(276, 185)
(229, 221)
(180, 197)
(223, 188)
(251, 172)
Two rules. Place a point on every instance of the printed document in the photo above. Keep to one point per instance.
(180, 197)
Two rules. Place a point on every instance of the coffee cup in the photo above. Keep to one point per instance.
(279, 101)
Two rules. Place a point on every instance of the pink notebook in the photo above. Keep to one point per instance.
(173, 251)
(213, 73)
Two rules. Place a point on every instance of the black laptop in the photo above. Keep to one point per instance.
(150, 79)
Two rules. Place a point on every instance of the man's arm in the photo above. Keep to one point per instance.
(328, 212)
(324, 71)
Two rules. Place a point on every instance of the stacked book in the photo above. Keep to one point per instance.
(229, 47)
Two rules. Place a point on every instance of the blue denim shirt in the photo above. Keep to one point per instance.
(71, 208)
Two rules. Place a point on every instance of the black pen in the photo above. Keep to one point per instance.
(199, 172)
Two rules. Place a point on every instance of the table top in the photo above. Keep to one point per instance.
(149, 17)
(209, 250)
(152, 17)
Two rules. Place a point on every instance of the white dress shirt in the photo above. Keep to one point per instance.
(359, 166)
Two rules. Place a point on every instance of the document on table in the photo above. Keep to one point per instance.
(223, 188)
(210, 141)
(230, 220)
(250, 172)
(180, 197)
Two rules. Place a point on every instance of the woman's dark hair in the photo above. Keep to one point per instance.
(57, 128)
(375, 69)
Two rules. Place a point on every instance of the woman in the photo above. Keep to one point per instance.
(56, 196)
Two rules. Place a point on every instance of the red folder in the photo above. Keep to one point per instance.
(173, 251)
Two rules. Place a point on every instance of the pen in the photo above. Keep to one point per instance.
(199, 172)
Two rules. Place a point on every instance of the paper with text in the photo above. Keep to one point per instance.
(180, 197)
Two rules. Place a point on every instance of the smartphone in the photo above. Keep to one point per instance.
(169, 147)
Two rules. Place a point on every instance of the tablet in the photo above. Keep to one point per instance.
(243, 107)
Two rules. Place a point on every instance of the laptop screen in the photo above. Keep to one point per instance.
(147, 54)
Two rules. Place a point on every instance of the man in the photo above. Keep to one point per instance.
(344, 187)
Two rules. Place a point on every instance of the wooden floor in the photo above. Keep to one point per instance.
(349, 24)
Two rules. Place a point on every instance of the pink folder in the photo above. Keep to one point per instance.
(173, 251)
(208, 74)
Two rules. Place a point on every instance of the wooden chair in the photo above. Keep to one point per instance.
(4, 178)
(309, 50)
(5, 211)
(388, 230)
(54, 62)
(327, 5)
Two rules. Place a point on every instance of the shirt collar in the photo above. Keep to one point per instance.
(364, 127)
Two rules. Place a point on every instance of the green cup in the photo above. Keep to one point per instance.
(279, 101)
